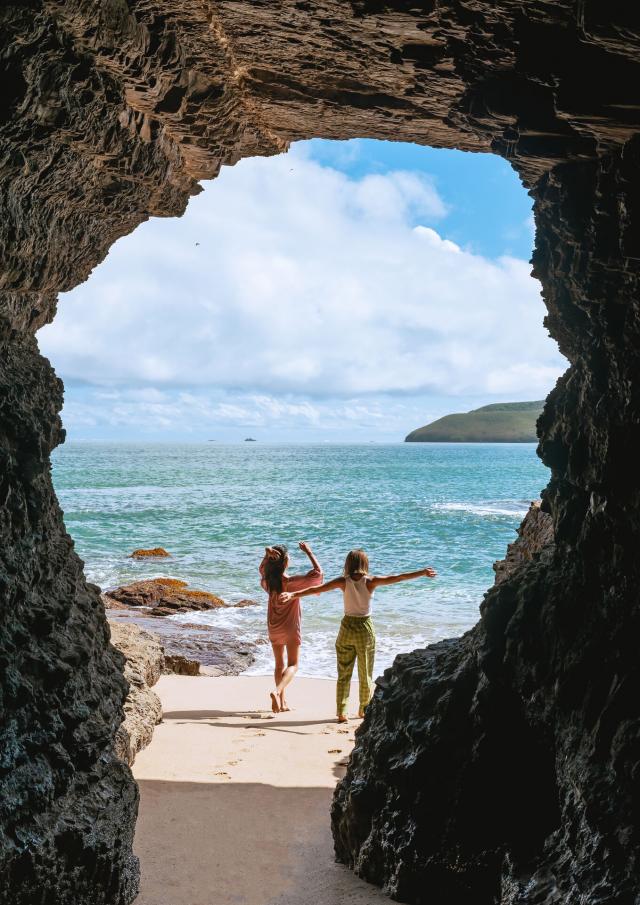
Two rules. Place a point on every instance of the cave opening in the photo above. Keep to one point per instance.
(114, 113)
(299, 252)
(333, 295)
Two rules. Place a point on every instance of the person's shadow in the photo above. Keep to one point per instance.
(263, 718)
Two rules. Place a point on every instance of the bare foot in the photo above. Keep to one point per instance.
(284, 707)
(274, 702)
(361, 714)
(342, 718)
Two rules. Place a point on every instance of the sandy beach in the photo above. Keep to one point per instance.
(235, 801)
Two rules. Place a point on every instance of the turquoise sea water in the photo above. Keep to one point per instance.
(214, 507)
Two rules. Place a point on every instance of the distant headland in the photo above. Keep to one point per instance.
(502, 422)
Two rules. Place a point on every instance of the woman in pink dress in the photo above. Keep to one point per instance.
(284, 619)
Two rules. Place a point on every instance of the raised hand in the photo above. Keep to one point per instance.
(429, 572)
(270, 553)
(304, 546)
(285, 597)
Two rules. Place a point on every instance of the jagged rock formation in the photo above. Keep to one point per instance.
(502, 766)
(535, 536)
(144, 664)
(67, 804)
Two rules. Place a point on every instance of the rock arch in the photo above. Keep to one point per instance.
(501, 766)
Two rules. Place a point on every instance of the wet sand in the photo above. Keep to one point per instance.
(235, 801)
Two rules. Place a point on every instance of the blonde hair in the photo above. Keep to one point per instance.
(356, 563)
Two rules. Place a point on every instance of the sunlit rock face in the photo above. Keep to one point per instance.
(499, 767)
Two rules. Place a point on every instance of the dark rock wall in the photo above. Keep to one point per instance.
(505, 766)
(66, 804)
(502, 766)
(535, 537)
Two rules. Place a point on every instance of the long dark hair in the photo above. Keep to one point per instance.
(274, 568)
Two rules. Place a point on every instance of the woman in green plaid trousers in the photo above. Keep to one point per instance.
(356, 639)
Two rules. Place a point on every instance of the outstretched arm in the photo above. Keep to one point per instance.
(380, 580)
(332, 585)
(304, 546)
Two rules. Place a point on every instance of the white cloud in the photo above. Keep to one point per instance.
(436, 241)
(288, 277)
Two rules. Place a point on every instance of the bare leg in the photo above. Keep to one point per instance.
(278, 656)
(293, 651)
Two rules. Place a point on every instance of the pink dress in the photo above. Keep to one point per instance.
(284, 620)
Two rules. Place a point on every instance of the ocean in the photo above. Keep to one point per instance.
(215, 507)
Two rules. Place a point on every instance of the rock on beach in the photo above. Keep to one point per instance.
(181, 666)
(164, 596)
(144, 664)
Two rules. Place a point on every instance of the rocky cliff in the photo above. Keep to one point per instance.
(498, 767)
(535, 539)
(143, 666)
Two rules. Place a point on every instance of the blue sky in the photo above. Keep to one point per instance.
(489, 211)
(346, 291)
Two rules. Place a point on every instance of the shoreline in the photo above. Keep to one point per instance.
(234, 800)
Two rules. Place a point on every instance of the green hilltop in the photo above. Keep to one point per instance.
(502, 422)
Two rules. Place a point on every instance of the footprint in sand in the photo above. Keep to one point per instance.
(334, 751)
(221, 773)
(234, 763)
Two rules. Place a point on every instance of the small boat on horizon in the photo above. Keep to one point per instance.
(250, 440)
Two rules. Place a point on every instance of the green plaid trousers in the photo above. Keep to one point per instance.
(356, 640)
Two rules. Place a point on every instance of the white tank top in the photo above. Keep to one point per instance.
(357, 597)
